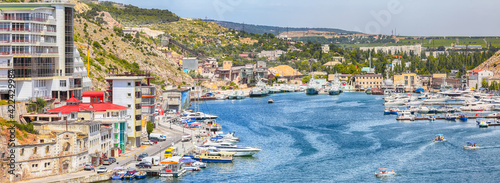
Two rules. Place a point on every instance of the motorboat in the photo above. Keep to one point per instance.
(423, 109)
(395, 102)
(226, 137)
(439, 138)
(405, 115)
(270, 101)
(118, 175)
(414, 102)
(394, 110)
(483, 124)
(387, 111)
(451, 116)
(188, 164)
(368, 91)
(259, 90)
(383, 172)
(494, 115)
(198, 116)
(462, 117)
(437, 98)
(432, 110)
(471, 146)
(230, 147)
(140, 175)
(475, 106)
(200, 164)
(432, 117)
(129, 176)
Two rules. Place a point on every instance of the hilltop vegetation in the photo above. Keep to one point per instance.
(261, 29)
(130, 15)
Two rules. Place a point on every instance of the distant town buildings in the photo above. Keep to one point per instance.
(271, 55)
(415, 49)
(476, 77)
(364, 81)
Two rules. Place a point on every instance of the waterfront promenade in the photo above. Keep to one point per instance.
(174, 134)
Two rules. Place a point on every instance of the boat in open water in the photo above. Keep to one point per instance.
(383, 172)
(471, 146)
(439, 138)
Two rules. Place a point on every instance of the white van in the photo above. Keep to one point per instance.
(157, 136)
(154, 160)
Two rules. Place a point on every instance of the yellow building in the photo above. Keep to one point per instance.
(439, 76)
(408, 81)
(226, 65)
(365, 81)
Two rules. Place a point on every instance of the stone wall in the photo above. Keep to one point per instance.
(20, 109)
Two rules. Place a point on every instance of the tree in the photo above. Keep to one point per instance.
(306, 79)
(149, 127)
(484, 84)
(441, 48)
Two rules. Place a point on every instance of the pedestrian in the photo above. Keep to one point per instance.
(93, 168)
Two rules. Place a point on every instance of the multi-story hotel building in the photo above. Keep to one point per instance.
(126, 90)
(36, 41)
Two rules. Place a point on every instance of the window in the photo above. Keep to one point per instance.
(22, 151)
(34, 150)
(47, 164)
(129, 105)
(63, 83)
(47, 150)
(137, 117)
(138, 128)
(129, 84)
(129, 94)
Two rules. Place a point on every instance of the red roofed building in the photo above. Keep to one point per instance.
(110, 115)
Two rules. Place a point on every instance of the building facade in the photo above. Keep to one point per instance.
(52, 154)
(407, 82)
(36, 41)
(364, 81)
(126, 90)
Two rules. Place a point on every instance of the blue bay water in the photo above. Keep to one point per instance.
(344, 138)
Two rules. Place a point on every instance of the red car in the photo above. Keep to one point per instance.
(154, 141)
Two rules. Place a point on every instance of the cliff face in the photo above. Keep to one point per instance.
(492, 64)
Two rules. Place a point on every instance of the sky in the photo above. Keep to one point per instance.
(405, 17)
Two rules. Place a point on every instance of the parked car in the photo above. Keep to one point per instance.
(143, 165)
(87, 166)
(186, 137)
(153, 141)
(145, 154)
(106, 162)
(112, 160)
(102, 169)
(147, 142)
(139, 158)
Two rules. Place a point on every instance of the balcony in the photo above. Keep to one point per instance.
(5, 53)
(25, 19)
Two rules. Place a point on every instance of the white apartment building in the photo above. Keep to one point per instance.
(416, 49)
(126, 90)
(36, 42)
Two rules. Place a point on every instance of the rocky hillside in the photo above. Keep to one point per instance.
(492, 64)
(110, 48)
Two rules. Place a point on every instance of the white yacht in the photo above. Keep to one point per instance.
(476, 106)
(405, 115)
(230, 147)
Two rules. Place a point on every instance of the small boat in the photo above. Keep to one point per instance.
(451, 117)
(129, 175)
(270, 101)
(384, 173)
(405, 115)
(200, 164)
(173, 167)
(471, 146)
(439, 138)
(394, 111)
(118, 175)
(483, 124)
(462, 117)
(432, 118)
(188, 164)
(387, 111)
(140, 174)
